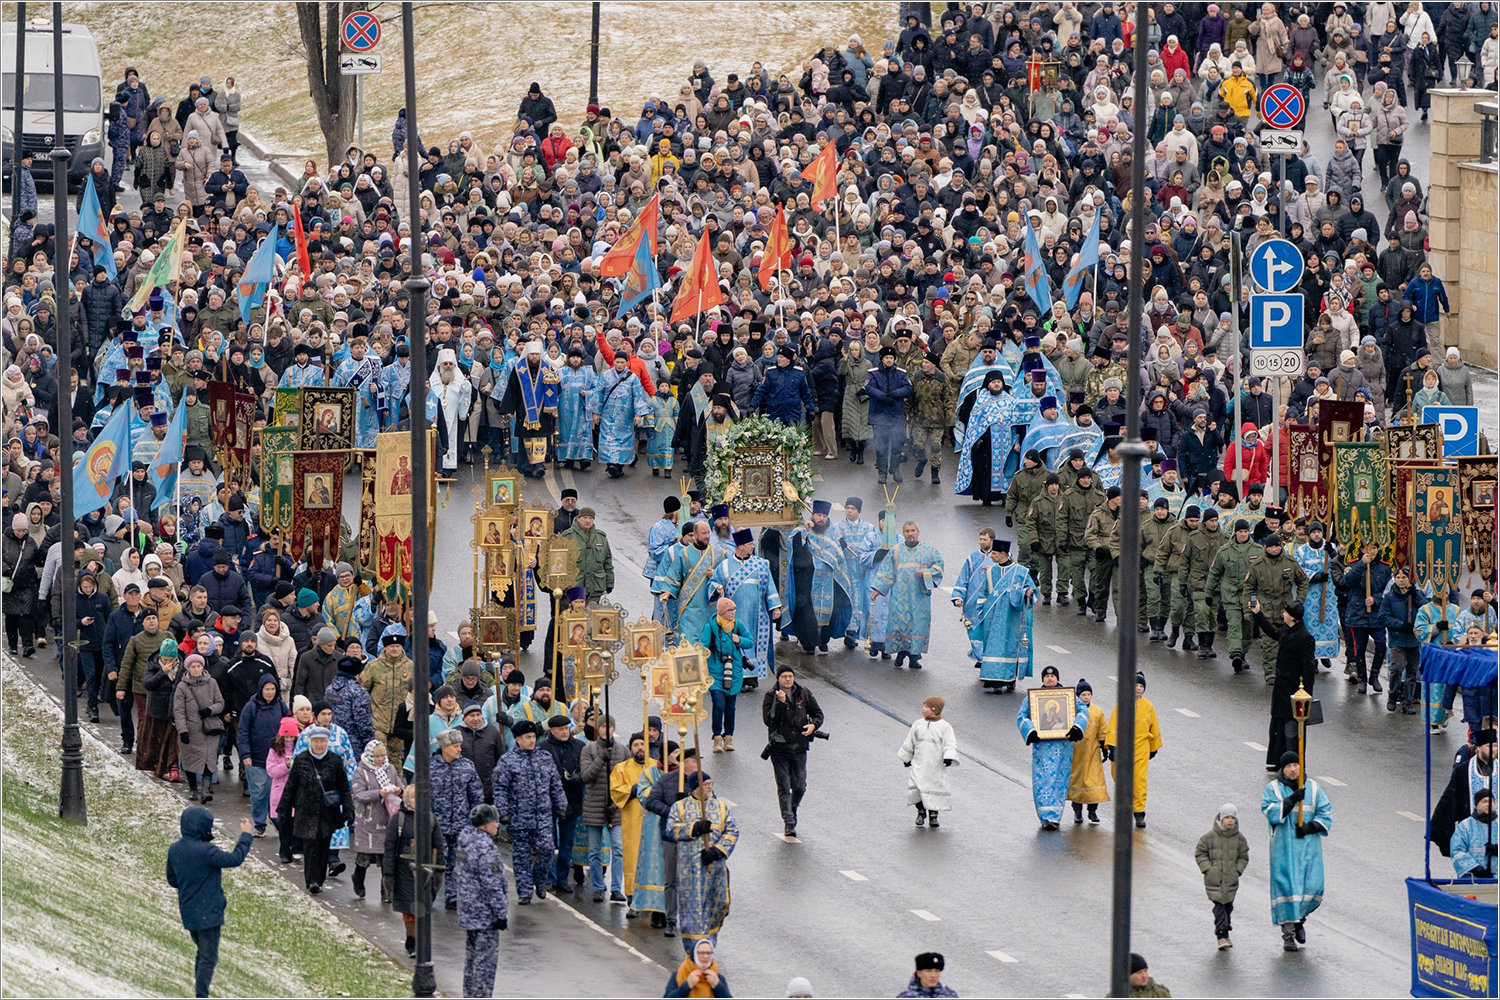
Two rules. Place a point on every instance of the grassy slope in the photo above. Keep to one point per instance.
(474, 63)
(87, 909)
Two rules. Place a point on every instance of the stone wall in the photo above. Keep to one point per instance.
(1477, 306)
(1463, 224)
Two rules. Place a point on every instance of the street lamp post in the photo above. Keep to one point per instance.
(423, 982)
(71, 805)
(1131, 452)
(594, 58)
(16, 122)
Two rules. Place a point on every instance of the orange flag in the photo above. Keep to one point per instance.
(778, 255)
(700, 289)
(621, 257)
(823, 171)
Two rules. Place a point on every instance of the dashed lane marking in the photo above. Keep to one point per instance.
(785, 839)
(853, 876)
(1409, 815)
(1002, 956)
(1059, 649)
(929, 917)
(1336, 783)
(1189, 713)
(1255, 746)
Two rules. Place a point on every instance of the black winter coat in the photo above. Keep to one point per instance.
(1296, 661)
(400, 835)
(567, 756)
(483, 748)
(302, 796)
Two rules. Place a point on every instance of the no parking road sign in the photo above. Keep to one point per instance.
(361, 31)
(1282, 106)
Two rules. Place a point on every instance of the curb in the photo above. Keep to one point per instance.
(274, 165)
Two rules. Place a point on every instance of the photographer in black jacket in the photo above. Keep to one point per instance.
(792, 718)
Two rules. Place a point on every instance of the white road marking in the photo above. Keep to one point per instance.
(1255, 746)
(1075, 996)
(853, 876)
(453, 633)
(946, 589)
(645, 959)
(1336, 783)
(785, 839)
(1409, 815)
(929, 917)
(1059, 649)
(1189, 713)
(1002, 956)
(726, 802)
(1113, 677)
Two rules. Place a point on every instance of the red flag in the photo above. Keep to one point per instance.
(778, 255)
(300, 238)
(823, 171)
(621, 257)
(700, 289)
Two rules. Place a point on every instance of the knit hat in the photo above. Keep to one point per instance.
(1227, 809)
(935, 705)
(168, 650)
(325, 636)
(307, 598)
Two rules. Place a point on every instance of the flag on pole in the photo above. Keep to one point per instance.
(106, 462)
(168, 461)
(700, 289)
(1037, 285)
(823, 171)
(620, 259)
(163, 270)
(640, 281)
(1088, 259)
(778, 253)
(300, 238)
(258, 275)
(91, 226)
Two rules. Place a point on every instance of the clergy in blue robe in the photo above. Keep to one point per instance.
(530, 397)
(746, 579)
(858, 540)
(1047, 433)
(360, 371)
(1169, 488)
(1051, 759)
(1022, 407)
(395, 383)
(1322, 566)
(661, 422)
(302, 373)
(721, 535)
(1085, 436)
(970, 575)
(981, 450)
(684, 582)
(702, 860)
(1472, 844)
(1296, 847)
(650, 895)
(575, 427)
(619, 406)
(1000, 623)
(910, 574)
(833, 587)
(660, 538)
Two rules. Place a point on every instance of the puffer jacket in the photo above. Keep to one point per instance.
(1222, 856)
(597, 760)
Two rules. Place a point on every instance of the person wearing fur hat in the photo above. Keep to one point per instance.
(528, 791)
(929, 749)
(1222, 854)
(1299, 816)
(1147, 742)
(927, 981)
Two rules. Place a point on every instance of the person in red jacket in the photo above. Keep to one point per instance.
(1254, 459)
(636, 364)
(555, 147)
(1174, 57)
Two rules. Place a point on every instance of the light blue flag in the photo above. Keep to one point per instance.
(257, 276)
(164, 468)
(106, 462)
(91, 226)
(1037, 285)
(1088, 259)
(640, 281)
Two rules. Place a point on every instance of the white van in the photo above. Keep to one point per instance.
(84, 126)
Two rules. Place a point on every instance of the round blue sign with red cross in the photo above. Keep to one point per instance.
(1282, 106)
(361, 31)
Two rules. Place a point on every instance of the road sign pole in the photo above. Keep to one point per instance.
(359, 103)
(1241, 363)
(1281, 225)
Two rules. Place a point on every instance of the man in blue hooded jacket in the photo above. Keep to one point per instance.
(194, 869)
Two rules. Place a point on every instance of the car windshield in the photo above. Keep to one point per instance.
(80, 93)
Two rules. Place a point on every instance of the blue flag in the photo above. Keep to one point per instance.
(1037, 285)
(257, 276)
(164, 468)
(1088, 259)
(91, 226)
(640, 281)
(106, 462)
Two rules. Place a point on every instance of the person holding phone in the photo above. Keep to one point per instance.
(93, 612)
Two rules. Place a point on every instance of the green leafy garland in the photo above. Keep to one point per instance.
(757, 432)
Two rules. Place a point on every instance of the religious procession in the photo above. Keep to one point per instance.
(254, 517)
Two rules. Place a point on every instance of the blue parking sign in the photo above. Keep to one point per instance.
(1459, 427)
(1276, 321)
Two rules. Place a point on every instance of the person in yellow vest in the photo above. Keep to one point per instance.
(1147, 743)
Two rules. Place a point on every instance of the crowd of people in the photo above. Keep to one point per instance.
(982, 154)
